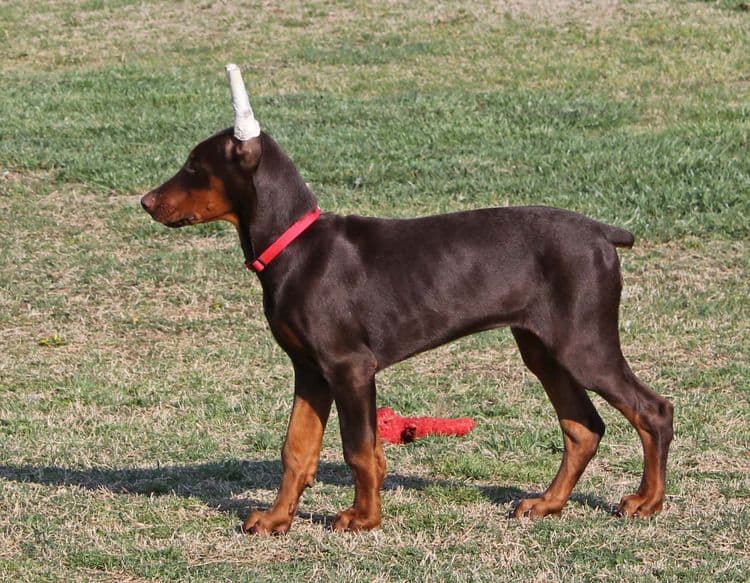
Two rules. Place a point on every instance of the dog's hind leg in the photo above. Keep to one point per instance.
(581, 425)
(601, 367)
(353, 385)
(652, 416)
(300, 454)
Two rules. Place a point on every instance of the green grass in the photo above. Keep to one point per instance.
(142, 399)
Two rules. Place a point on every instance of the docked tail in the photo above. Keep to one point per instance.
(618, 237)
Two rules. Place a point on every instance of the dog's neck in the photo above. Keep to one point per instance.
(281, 197)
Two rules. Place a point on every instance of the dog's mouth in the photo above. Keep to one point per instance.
(181, 223)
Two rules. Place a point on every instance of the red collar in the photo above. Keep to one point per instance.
(259, 263)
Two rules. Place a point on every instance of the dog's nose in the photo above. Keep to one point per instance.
(147, 202)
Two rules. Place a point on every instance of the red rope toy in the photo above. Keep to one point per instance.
(396, 429)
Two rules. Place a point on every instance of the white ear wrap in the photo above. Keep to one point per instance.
(245, 124)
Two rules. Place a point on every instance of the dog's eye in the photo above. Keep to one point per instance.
(190, 168)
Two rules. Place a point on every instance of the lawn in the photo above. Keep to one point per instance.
(143, 401)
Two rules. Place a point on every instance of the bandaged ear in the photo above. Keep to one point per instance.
(246, 126)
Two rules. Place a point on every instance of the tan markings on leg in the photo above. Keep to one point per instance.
(300, 457)
(649, 499)
(580, 444)
(368, 467)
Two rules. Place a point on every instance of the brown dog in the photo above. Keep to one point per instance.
(346, 297)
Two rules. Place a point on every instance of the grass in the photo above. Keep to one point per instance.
(142, 399)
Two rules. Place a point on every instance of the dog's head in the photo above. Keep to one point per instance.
(217, 172)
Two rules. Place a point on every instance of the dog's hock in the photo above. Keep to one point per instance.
(246, 126)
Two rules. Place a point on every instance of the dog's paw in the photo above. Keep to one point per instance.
(639, 506)
(351, 520)
(536, 508)
(266, 523)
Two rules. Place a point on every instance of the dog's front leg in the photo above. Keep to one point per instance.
(300, 454)
(353, 385)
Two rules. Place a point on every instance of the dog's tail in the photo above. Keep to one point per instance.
(618, 237)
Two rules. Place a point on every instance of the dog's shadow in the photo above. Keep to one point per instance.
(219, 483)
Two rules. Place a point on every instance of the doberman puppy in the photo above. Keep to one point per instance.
(348, 296)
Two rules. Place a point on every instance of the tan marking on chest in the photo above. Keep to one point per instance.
(289, 338)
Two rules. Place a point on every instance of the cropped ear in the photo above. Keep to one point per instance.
(246, 126)
(246, 153)
(245, 146)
